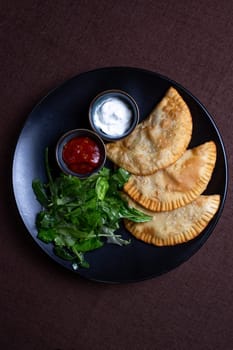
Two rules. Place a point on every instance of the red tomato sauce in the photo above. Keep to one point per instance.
(81, 154)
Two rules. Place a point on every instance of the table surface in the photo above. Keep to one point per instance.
(43, 306)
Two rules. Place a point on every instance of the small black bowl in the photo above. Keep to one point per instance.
(83, 168)
(114, 107)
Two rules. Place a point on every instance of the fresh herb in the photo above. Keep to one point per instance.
(80, 215)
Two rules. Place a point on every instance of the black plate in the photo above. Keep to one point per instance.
(66, 108)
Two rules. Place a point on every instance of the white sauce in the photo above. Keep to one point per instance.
(112, 116)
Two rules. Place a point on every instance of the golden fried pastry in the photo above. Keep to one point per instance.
(176, 185)
(156, 142)
(176, 226)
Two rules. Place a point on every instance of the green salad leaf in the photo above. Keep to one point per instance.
(80, 215)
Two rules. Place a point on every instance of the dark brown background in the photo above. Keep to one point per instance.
(44, 43)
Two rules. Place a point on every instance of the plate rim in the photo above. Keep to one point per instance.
(167, 79)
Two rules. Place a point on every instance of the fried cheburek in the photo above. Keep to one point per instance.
(176, 226)
(176, 185)
(167, 179)
(158, 141)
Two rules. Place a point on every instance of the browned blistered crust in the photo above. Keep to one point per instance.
(158, 141)
(176, 185)
(176, 226)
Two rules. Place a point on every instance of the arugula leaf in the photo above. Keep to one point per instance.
(101, 187)
(47, 235)
(40, 192)
(80, 215)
